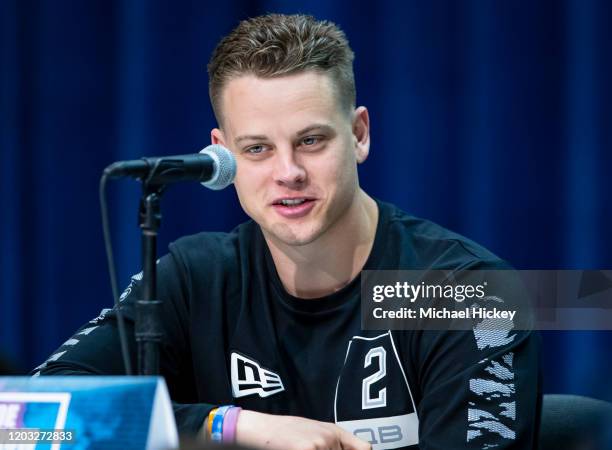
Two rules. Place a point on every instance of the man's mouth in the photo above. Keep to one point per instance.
(294, 208)
(292, 202)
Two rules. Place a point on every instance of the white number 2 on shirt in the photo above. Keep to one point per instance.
(367, 402)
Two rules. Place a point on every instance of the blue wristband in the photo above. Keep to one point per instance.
(217, 425)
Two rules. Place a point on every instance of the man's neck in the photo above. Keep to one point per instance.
(334, 259)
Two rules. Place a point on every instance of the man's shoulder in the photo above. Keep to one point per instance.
(214, 247)
(433, 246)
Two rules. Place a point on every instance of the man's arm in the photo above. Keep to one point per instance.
(274, 432)
(95, 348)
(481, 388)
(491, 402)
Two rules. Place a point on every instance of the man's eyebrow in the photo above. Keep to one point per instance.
(250, 137)
(261, 137)
(318, 126)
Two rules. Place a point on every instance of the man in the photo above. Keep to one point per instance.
(267, 317)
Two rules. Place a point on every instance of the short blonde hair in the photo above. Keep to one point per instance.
(274, 45)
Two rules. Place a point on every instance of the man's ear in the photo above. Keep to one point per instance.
(361, 133)
(216, 137)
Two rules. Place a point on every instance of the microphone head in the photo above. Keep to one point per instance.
(225, 167)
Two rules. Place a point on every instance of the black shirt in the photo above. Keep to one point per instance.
(233, 335)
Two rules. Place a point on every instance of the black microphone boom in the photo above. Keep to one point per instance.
(214, 167)
(165, 169)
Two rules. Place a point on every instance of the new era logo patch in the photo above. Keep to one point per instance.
(248, 378)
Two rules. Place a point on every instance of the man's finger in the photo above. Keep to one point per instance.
(352, 442)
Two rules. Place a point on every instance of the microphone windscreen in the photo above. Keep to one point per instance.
(225, 167)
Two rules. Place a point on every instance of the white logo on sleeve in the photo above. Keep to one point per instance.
(248, 378)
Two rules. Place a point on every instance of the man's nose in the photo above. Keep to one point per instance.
(288, 170)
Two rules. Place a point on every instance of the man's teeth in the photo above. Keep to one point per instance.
(292, 202)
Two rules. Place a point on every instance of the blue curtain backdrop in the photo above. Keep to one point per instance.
(492, 118)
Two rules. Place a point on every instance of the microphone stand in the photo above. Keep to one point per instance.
(215, 170)
(148, 329)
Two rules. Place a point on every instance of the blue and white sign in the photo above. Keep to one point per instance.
(84, 412)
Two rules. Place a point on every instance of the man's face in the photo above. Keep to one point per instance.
(296, 150)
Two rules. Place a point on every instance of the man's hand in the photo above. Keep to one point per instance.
(270, 431)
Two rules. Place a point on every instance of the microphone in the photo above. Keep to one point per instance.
(214, 167)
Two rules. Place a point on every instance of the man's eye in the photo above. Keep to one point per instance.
(311, 140)
(255, 150)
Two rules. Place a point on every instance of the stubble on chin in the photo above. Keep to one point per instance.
(291, 235)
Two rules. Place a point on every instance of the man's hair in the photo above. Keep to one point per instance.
(274, 45)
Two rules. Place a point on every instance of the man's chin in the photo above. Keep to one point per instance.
(291, 235)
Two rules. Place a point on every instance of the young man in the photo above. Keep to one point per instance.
(267, 317)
